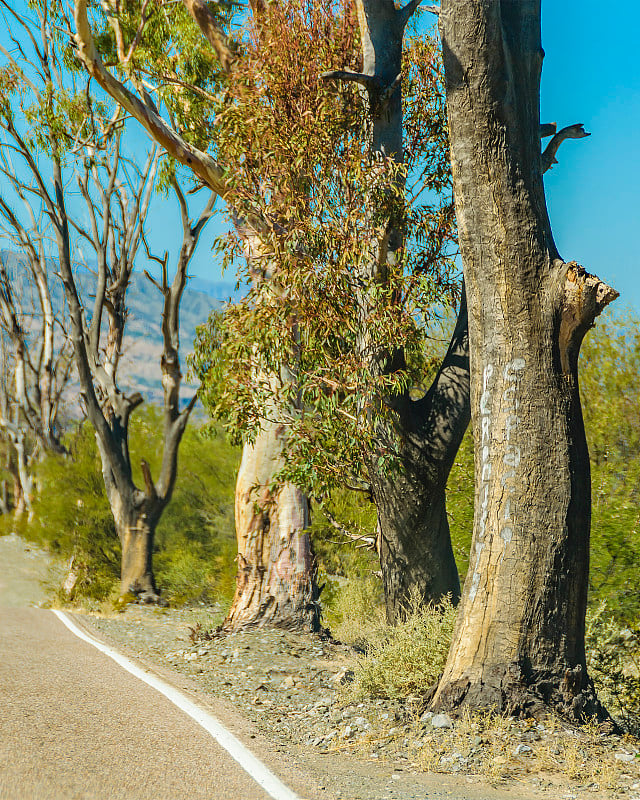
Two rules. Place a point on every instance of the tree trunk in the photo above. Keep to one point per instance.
(136, 536)
(275, 582)
(413, 527)
(519, 642)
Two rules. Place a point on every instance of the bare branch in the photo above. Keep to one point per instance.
(348, 75)
(406, 12)
(205, 167)
(575, 131)
(149, 485)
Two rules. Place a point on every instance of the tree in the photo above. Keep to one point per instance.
(302, 154)
(80, 139)
(415, 545)
(519, 640)
(275, 583)
(35, 353)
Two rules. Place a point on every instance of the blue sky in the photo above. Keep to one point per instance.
(591, 75)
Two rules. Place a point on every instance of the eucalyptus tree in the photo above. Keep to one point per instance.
(61, 135)
(349, 333)
(519, 641)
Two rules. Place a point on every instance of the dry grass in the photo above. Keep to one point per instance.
(499, 749)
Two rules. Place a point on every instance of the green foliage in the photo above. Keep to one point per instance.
(613, 660)
(343, 531)
(407, 658)
(460, 503)
(72, 516)
(195, 539)
(342, 536)
(610, 389)
(354, 611)
(299, 156)
(166, 48)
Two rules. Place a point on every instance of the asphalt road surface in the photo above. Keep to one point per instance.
(74, 724)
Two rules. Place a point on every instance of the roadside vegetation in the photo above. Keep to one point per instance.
(195, 542)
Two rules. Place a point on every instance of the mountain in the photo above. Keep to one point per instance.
(140, 365)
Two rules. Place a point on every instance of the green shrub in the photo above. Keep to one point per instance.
(407, 658)
(613, 661)
(72, 517)
(355, 611)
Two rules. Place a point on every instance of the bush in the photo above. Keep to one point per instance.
(613, 661)
(407, 658)
(354, 611)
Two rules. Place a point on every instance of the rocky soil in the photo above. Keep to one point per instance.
(296, 689)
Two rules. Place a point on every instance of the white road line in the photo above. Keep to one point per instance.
(249, 763)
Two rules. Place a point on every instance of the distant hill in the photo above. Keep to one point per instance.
(140, 366)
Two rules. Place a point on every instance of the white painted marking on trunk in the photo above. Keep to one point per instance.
(261, 774)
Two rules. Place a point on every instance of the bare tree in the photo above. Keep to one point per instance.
(519, 641)
(115, 232)
(83, 145)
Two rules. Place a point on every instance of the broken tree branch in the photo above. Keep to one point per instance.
(575, 131)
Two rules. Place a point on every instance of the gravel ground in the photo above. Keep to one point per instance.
(295, 688)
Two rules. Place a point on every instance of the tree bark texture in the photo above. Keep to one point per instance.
(519, 642)
(275, 583)
(413, 527)
(136, 574)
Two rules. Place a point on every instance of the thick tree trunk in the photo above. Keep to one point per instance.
(413, 527)
(519, 642)
(275, 582)
(136, 575)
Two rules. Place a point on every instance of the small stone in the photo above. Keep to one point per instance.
(343, 676)
(521, 749)
(626, 757)
(441, 721)
(288, 682)
(426, 717)
(346, 733)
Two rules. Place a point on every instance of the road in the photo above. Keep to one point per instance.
(74, 724)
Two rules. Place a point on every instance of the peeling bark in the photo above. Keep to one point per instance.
(275, 584)
(136, 575)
